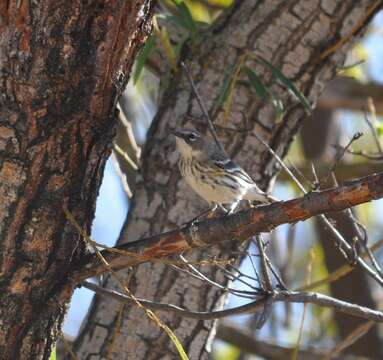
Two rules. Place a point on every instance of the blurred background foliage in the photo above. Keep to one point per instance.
(352, 103)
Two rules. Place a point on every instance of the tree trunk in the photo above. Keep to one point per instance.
(291, 34)
(62, 66)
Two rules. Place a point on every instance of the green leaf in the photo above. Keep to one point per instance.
(53, 354)
(379, 129)
(265, 93)
(257, 84)
(287, 83)
(227, 80)
(142, 57)
(185, 19)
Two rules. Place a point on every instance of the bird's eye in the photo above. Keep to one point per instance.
(192, 137)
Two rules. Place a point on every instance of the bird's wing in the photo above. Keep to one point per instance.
(232, 168)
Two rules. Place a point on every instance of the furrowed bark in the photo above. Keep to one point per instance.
(62, 66)
(290, 34)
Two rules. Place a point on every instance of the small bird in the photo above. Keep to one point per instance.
(212, 174)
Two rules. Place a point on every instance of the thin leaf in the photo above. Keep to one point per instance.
(176, 343)
(185, 19)
(265, 93)
(257, 84)
(224, 92)
(142, 57)
(288, 83)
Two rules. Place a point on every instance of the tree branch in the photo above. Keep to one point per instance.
(269, 350)
(239, 226)
(343, 171)
(281, 296)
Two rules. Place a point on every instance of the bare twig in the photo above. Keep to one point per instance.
(240, 276)
(341, 243)
(361, 236)
(108, 268)
(203, 277)
(257, 277)
(202, 105)
(338, 273)
(372, 110)
(248, 343)
(354, 336)
(266, 283)
(342, 150)
(125, 156)
(294, 355)
(344, 170)
(281, 296)
(378, 157)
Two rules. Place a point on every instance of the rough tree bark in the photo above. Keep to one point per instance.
(62, 66)
(291, 34)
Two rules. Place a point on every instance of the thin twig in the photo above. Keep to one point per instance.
(126, 157)
(367, 155)
(372, 110)
(149, 313)
(201, 105)
(240, 293)
(280, 282)
(340, 241)
(229, 275)
(294, 356)
(350, 339)
(338, 273)
(343, 150)
(281, 296)
(254, 269)
(266, 281)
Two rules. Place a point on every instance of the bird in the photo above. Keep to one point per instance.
(210, 172)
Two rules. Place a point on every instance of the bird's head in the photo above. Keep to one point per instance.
(190, 143)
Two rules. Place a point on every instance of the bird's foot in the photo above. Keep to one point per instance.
(207, 214)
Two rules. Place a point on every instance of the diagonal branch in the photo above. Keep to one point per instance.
(239, 226)
(247, 342)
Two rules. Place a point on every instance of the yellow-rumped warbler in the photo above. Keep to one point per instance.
(212, 174)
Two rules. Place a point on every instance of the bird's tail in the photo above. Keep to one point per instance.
(256, 194)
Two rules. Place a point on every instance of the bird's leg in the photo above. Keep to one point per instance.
(205, 213)
(233, 207)
(223, 208)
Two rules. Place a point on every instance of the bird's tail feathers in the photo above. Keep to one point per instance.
(256, 194)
